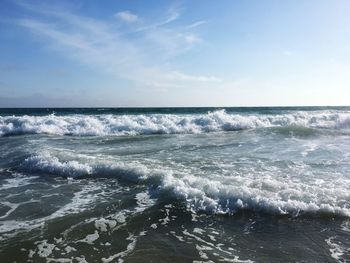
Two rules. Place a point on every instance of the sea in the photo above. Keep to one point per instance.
(261, 184)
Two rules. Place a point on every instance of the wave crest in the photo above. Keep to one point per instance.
(217, 195)
(118, 125)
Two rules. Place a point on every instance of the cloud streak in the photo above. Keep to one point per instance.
(126, 16)
(106, 45)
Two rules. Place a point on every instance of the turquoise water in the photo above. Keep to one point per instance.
(175, 185)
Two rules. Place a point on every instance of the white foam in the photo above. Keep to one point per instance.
(337, 251)
(12, 207)
(17, 181)
(81, 259)
(345, 226)
(198, 231)
(260, 190)
(69, 249)
(91, 238)
(143, 201)
(103, 224)
(59, 260)
(205, 247)
(45, 249)
(166, 219)
(79, 202)
(180, 238)
(45, 162)
(220, 120)
(130, 247)
(119, 217)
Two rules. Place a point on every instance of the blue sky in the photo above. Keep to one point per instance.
(174, 53)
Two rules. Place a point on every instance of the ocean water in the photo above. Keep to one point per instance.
(175, 185)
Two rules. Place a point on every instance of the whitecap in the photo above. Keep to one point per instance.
(119, 125)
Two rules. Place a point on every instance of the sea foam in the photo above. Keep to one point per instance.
(261, 193)
(118, 125)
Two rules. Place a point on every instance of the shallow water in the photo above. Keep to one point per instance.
(175, 185)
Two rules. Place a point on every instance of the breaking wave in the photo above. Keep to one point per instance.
(281, 196)
(118, 125)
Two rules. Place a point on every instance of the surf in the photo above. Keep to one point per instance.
(217, 194)
(148, 124)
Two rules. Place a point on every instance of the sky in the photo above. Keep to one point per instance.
(122, 53)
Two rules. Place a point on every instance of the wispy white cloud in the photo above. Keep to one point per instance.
(106, 46)
(196, 24)
(179, 76)
(192, 39)
(171, 16)
(126, 16)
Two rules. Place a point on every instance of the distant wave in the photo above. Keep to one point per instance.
(118, 125)
(281, 196)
